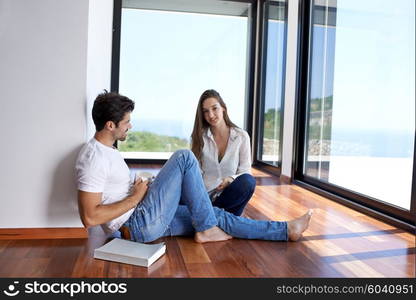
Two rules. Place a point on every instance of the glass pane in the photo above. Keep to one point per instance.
(168, 58)
(274, 81)
(362, 97)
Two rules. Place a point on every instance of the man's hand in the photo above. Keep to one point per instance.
(93, 212)
(139, 190)
(225, 182)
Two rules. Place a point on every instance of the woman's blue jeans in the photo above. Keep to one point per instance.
(234, 198)
(160, 214)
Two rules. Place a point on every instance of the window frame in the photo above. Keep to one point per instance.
(379, 209)
(260, 100)
(250, 67)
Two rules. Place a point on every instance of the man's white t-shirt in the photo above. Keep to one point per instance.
(101, 169)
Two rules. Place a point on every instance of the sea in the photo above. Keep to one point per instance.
(174, 128)
(349, 142)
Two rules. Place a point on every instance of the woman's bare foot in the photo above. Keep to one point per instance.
(296, 227)
(214, 234)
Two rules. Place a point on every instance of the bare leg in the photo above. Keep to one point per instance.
(296, 227)
(213, 234)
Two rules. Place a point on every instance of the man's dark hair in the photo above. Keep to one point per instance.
(110, 107)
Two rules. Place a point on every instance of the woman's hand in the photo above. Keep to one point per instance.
(225, 182)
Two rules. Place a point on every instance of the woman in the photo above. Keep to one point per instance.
(223, 152)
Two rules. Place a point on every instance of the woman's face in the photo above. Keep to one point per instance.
(213, 111)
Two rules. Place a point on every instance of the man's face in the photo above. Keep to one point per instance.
(120, 132)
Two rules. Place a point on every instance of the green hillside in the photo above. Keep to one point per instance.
(142, 141)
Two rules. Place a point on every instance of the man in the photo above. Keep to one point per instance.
(176, 203)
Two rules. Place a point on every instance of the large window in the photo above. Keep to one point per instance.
(360, 108)
(272, 83)
(170, 52)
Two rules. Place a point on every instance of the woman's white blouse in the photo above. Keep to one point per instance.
(236, 159)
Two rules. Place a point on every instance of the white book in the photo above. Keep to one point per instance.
(130, 252)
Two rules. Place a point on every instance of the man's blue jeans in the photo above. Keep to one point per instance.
(160, 214)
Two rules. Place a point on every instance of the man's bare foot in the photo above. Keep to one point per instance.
(214, 234)
(296, 227)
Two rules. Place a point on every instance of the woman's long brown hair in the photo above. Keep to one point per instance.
(201, 125)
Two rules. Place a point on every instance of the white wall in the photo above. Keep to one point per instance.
(43, 83)
(100, 34)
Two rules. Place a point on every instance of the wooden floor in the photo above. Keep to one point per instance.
(340, 242)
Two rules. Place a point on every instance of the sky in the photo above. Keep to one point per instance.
(374, 77)
(168, 59)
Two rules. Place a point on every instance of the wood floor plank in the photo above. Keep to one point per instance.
(63, 257)
(249, 258)
(31, 267)
(232, 259)
(175, 264)
(84, 264)
(17, 249)
(3, 245)
(192, 252)
(202, 270)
